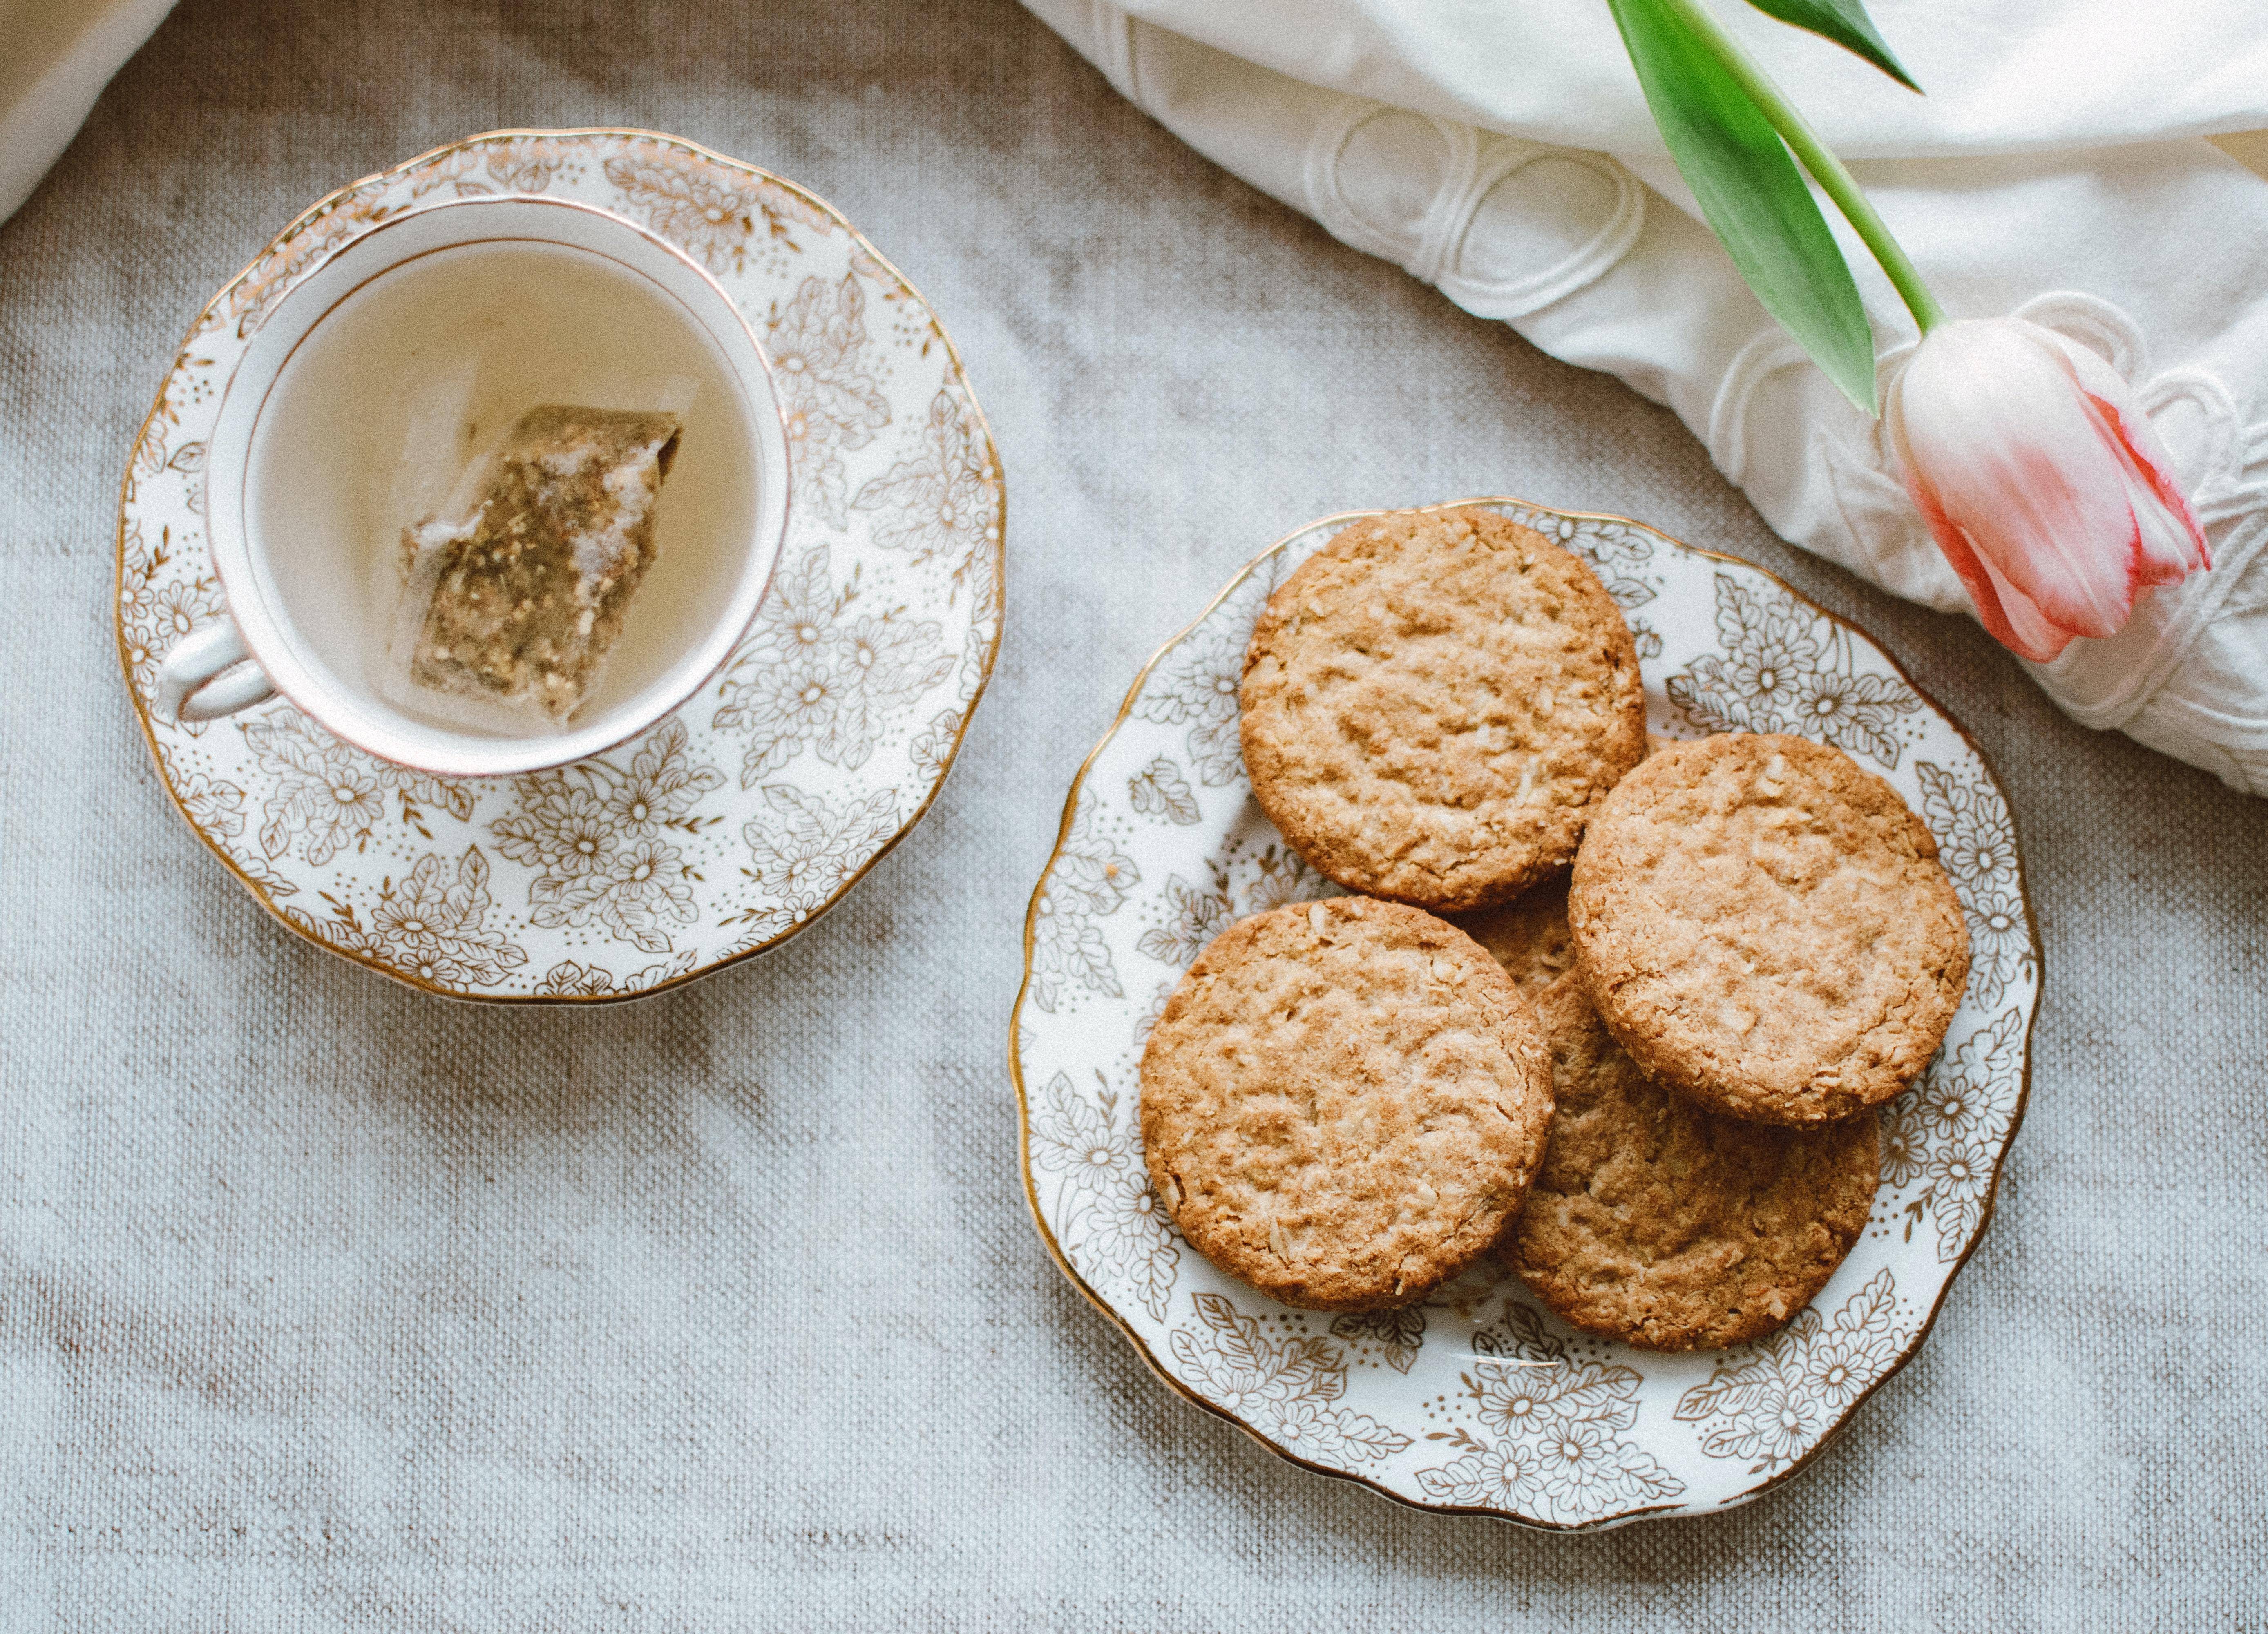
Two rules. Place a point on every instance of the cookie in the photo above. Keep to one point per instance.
(1434, 703)
(1344, 1101)
(1766, 928)
(1658, 1223)
(1529, 936)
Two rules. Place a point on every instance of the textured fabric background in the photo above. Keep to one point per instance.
(326, 1305)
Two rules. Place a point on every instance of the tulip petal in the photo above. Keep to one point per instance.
(2014, 455)
(2008, 617)
(2173, 543)
(2041, 479)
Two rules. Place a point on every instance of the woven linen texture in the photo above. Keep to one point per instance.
(327, 1305)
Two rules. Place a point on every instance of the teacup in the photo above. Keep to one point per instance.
(360, 399)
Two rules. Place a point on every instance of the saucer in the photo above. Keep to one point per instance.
(1478, 1400)
(732, 824)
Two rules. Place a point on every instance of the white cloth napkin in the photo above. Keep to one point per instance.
(2057, 167)
(58, 55)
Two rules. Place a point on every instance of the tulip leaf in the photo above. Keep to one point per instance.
(1845, 22)
(1751, 193)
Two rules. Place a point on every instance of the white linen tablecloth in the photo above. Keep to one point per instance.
(324, 1304)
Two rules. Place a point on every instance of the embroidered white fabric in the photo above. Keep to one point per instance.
(1601, 259)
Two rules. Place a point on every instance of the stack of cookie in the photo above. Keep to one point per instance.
(1622, 1017)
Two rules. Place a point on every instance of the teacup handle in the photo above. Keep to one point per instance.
(194, 682)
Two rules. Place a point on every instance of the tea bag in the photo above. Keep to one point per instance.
(516, 589)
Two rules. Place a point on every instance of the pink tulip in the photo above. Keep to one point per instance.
(2042, 479)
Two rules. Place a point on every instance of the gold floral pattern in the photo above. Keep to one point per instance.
(807, 848)
(1280, 875)
(1289, 1385)
(189, 460)
(569, 980)
(325, 796)
(157, 610)
(1090, 878)
(710, 209)
(841, 710)
(503, 165)
(526, 165)
(431, 924)
(178, 608)
(1159, 790)
(1786, 667)
(1497, 1407)
(1977, 842)
(1946, 1129)
(141, 575)
(328, 796)
(888, 661)
(1622, 555)
(943, 502)
(1903, 1150)
(1560, 1449)
(330, 227)
(1199, 688)
(598, 838)
(216, 807)
(1398, 1335)
(1147, 1022)
(1796, 1384)
(817, 673)
(933, 746)
(817, 345)
(1192, 916)
(1114, 1224)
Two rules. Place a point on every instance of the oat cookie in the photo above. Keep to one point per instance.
(1434, 703)
(1658, 1223)
(1765, 927)
(1344, 1101)
(1529, 936)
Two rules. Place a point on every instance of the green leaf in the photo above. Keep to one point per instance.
(1751, 193)
(1845, 22)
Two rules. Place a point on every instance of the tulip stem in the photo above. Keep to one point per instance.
(1827, 170)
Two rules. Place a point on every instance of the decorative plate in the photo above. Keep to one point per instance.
(1478, 1400)
(739, 820)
